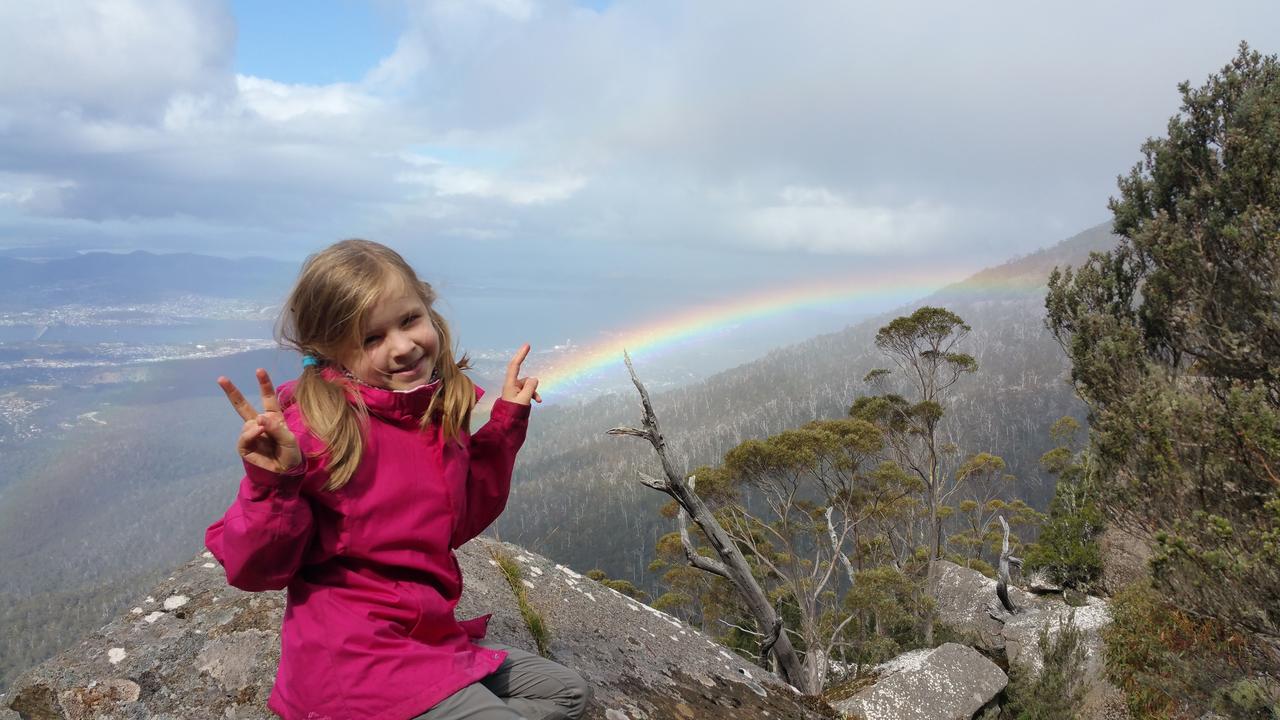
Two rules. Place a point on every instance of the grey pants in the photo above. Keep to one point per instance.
(524, 687)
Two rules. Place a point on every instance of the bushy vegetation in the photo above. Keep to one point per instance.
(1057, 691)
(626, 587)
(1174, 339)
(1067, 549)
(1171, 664)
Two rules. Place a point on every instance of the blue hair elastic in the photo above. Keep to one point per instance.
(309, 361)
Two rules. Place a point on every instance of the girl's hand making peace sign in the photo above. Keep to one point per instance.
(265, 441)
(516, 389)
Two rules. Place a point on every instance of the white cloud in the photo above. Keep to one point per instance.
(515, 9)
(33, 194)
(281, 102)
(449, 181)
(815, 219)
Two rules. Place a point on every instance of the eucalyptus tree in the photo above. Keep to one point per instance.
(923, 346)
(799, 503)
(986, 495)
(971, 491)
(776, 519)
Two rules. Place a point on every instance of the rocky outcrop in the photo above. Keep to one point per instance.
(196, 648)
(966, 599)
(949, 682)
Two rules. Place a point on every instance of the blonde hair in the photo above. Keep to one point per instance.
(323, 317)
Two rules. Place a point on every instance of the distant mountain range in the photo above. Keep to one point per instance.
(576, 498)
(138, 277)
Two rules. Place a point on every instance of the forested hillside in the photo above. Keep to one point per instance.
(576, 498)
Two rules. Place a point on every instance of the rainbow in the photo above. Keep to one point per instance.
(872, 293)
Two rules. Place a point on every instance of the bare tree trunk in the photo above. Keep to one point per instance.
(731, 565)
(935, 539)
(835, 547)
(928, 620)
(1006, 559)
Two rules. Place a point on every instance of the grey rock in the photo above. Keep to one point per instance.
(1022, 646)
(196, 648)
(642, 662)
(1022, 632)
(949, 682)
(964, 597)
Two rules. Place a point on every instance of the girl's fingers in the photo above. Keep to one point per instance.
(278, 430)
(513, 367)
(249, 438)
(242, 406)
(528, 388)
(270, 402)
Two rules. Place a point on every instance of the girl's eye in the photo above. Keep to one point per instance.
(371, 340)
(409, 320)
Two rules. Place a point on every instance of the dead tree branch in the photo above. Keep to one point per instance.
(732, 562)
(697, 559)
(650, 481)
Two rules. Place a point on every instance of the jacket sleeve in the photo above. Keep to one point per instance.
(493, 455)
(261, 539)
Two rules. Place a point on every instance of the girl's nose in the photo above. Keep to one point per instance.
(401, 346)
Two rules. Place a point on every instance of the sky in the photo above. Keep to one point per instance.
(658, 148)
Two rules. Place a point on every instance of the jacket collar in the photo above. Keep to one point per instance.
(402, 407)
(405, 407)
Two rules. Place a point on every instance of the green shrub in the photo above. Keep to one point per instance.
(1067, 549)
(626, 587)
(1057, 692)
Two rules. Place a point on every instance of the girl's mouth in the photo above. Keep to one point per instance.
(412, 370)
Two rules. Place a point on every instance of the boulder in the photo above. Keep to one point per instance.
(966, 597)
(1022, 646)
(196, 648)
(1022, 632)
(949, 682)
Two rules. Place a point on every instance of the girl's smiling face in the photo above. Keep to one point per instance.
(399, 343)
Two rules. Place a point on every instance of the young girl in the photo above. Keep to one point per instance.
(361, 479)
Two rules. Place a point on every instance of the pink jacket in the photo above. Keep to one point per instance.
(372, 580)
